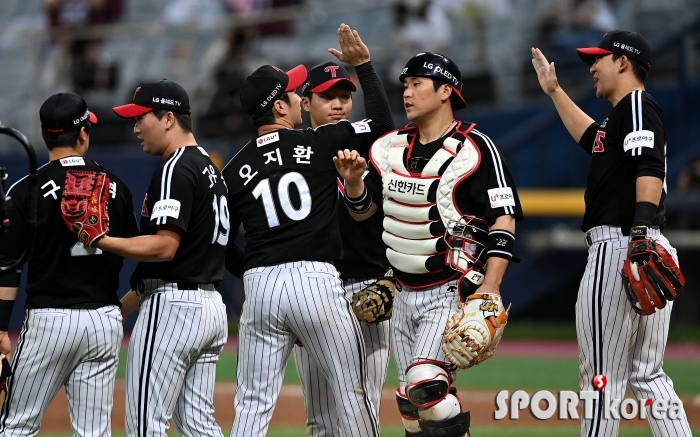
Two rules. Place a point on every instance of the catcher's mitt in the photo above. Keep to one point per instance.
(650, 276)
(374, 303)
(84, 204)
(5, 372)
(469, 337)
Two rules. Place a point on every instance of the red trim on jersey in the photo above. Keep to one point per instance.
(341, 187)
(413, 204)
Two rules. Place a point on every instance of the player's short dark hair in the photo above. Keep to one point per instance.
(638, 69)
(69, 139)
(184, 120)
(269, 116)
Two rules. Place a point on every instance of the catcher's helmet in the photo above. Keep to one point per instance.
(438, 67)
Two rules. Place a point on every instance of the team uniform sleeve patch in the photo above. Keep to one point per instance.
(588, 138)
(501, 197)
(642, 127)
(361, 127)
(166, 208)
(642, 138)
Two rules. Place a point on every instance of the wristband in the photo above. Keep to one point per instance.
(500, 244)
(644, 213)
(5, 312)
(359, 205)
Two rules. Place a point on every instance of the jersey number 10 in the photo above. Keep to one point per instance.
(263, 189)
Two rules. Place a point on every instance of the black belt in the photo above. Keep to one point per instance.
(187, 286)
(87, 306)
(625, 230)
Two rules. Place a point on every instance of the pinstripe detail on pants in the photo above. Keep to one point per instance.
(418, 322)
(321, 412)
(617, 342)
(303, 300)
(78, 349)
(171, 368)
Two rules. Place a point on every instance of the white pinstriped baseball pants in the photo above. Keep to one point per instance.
(171, 368)
(417, 324)
(321, 412)
(78, 348)
(303, 300)
(617, 342)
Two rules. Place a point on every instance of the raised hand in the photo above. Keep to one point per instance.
(352, 50)
(350, 165)
(545, 72)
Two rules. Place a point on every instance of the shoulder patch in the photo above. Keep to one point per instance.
(72, 161)
(267, 139)
(641, 138)
(361, 127)
(166, 208)
(501, 197)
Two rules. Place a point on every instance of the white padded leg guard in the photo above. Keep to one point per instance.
(443, 410)
(427, 384)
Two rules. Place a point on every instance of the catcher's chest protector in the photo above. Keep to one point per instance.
(419, 204)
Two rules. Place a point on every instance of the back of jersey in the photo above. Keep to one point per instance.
(187, 192)
(63, 272)
(283, 188)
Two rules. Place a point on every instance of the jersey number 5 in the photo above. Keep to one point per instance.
(263, 189)
(222, 224)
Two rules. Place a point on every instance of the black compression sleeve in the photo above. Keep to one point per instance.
(376, 102)
(650, 166)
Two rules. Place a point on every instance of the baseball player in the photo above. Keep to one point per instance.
(624, 204)
(73, 327)
(327, 97)
(182, 327)
(283, 189)
(409, 164)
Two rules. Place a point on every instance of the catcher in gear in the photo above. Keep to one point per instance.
(433, 172)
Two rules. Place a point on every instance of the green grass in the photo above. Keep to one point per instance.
(476, 431)
(498, 373)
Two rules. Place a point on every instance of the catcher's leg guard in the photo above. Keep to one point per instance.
(409, 415)
(428, 382)
(457, 426)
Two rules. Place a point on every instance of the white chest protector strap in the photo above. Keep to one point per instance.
(464, 165)
(405, 212)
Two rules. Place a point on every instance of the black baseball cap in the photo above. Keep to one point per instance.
(440, 68)
(266, 85)
(65, 112)
(324, 76)
(159, 94)
(622, 42)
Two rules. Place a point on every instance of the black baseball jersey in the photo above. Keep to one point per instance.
(365, 252)
(61, 271)
(634, 128)
(283, 189)
(489, 192)
(188, 192)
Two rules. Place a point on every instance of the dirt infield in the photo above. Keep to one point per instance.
(290, 410)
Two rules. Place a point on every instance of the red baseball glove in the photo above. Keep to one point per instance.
(84, 204)
(650, 275)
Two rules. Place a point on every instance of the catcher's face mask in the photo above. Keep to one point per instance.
(466, 243)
